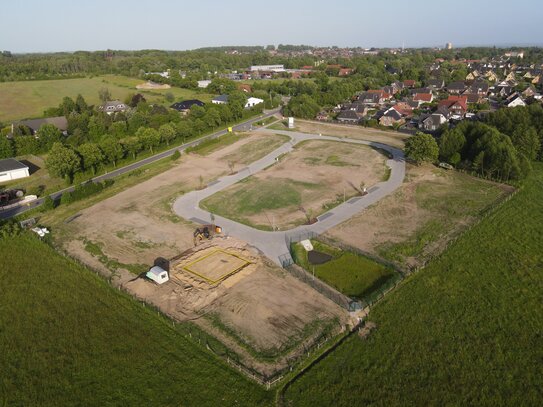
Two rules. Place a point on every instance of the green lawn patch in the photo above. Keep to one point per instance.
(68, 338)
(208, 146)
(466, 330)
(350, 273)
(256, 149)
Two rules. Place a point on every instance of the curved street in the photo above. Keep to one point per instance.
(274, 245)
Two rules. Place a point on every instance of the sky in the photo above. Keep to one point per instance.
(71, 25)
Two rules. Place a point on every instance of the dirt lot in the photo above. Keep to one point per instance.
(431, 207)
(261, 306)
(137, 225)
(392, 138)
(305, 183)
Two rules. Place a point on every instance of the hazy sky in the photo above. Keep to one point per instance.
(69, 25)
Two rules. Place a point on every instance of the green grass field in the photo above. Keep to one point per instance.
(251, 196)
(29, 99)
(68, 338)
(348, 272)
(466, 330)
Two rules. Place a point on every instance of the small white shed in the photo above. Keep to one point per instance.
(11, 169)
(158, 275)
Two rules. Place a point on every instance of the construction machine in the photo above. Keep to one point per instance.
(206, 232)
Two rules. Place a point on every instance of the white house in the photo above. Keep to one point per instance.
(253, 102)
(514, 101)
(11, 169)
(204, 84)
(271, 68)
(157, 274)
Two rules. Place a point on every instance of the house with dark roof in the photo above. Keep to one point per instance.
(11, 169)
(348, 116)
(60, 122)
(456, 88)
(435, 84)
(186, 105)
(433, 122)
(391, 117)
(220, 100)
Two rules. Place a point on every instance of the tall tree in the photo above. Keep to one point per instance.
(132, 145)
(112, 149)
(167, 133)
(48, 134)
(149, 138)
(92, 156)
(62, 162)
(422, 147)
(7, 149)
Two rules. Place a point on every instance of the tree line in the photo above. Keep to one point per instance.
(502, 146)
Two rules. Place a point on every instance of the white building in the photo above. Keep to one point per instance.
(11, 169)
(253, 102)
(204, 84)
(271, 68)
(157, 274)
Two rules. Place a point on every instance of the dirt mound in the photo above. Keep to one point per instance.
(152, 85)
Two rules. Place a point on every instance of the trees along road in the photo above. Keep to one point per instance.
(245, 126)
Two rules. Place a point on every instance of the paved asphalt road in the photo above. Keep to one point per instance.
(8, 213)
(275, 244)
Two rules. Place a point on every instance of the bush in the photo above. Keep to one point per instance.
(66, 198)
(176, 155)
(9, 229)
(48, 204)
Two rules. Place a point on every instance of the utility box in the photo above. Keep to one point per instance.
(291, 122)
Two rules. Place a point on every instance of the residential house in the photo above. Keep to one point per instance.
(185, 106)
(421, 98)
(348, 116)
(456, 105)
(60, 122)
(409, 83)
(113, 106)
(481, 88)
(251, 102)
(322, 116)
(491, 76)
(515, 100)
(433, 122)
(404, 109)
(435, 84)
(529, 92)
(11, 169)
(220, 100)
(370, 99)
(456, 88)
(345, 71)
(391, 117)
(473, 75)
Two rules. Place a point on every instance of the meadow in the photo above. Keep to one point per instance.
(69, 338)
(466, 330)
(28, 99)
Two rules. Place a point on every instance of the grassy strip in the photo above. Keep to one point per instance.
(208, 146)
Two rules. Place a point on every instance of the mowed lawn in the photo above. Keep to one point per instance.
(68, 338)
(466, 330)
(28, 99)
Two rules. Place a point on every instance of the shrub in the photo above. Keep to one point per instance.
(176, 155)
(48, 204)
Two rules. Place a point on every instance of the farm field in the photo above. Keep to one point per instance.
(392, 138)
(28, 99)
(136, 226)
(351, 274)
(302, 185)
(416, 222)
(69, 338)
(463, 331)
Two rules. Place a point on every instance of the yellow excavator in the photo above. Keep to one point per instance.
(205, 232)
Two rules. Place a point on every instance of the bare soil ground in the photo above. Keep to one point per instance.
(153, 85)
(137, 225)
(417, 221)
(261, 307)
(305, 183)
(391, 138)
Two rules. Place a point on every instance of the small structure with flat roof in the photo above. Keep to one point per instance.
(157, 274)
(11, 169)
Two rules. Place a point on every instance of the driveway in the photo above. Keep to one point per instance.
(274, 245)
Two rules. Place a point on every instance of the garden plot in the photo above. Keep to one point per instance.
(314, 178)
